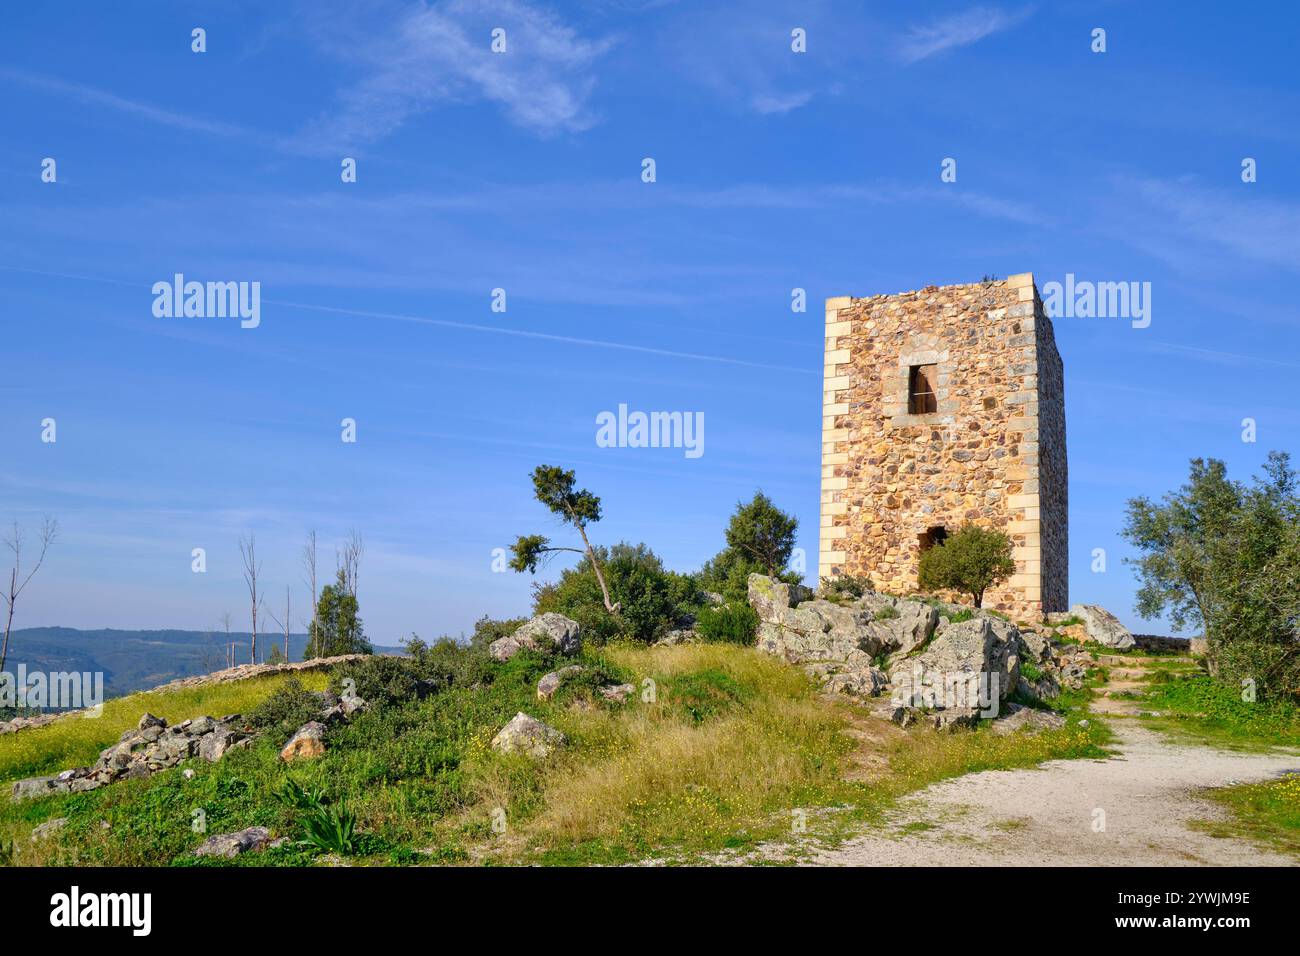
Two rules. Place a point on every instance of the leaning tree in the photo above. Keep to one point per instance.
(554, 487)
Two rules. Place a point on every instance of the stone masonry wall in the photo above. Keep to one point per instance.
(1053, 471)
(993, 452)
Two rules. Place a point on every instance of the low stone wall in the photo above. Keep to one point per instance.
(245, 671)
(1160, 642)
(240, 672)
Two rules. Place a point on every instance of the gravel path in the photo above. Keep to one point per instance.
(1146, 796)
(1045, 815)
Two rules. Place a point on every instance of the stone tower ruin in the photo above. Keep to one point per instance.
(945, 407)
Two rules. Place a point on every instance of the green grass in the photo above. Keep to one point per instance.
(728, 737)
(1264, 813)
(928, 757)
(77, 741)
(1203, 709)
(711, 754)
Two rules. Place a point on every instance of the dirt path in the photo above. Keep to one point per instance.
(1049, 815)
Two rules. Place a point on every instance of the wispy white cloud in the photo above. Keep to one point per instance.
(436, 54)
(97, 97)
(541, 336)
(1264, 231)
(769, 103)
(1218, 356)
(747, 61)
(959, 30)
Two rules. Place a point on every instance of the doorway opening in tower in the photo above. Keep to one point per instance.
(932, 536)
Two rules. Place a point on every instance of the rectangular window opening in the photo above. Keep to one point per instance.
(921, 399)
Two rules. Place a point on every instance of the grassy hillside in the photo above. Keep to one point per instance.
(730, 742)
(137, 660)
(77, 741)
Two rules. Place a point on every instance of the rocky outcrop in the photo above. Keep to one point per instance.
(769, 597)
(940, 664)
(1103, 627)
(527, 735)
(307, 743)
(617, 693)
(241, 672)
(547, 633)
(34, 787)
(151, 747)
(965, 672)
(550, 683)
(1019, 717)
(229, 845)
(154, 746)
(684, 635)
(48, 829)
(839, 644)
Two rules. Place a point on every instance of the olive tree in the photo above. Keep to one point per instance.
(970, 560)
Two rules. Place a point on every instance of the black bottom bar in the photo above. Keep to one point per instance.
(331, 905)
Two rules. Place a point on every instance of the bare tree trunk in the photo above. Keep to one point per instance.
(309, 564)
(230, 645)
(9, 622)
(248, 551)
(49, 531)
(591, 556)
(349, 561)
(285, 623)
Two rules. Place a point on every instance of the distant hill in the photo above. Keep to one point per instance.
(138, 660)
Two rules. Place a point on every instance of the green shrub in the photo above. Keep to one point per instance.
(585, 684)
(487, 630)
(426, 669)
(732, 623)
(886, 613)
(380, 680)
(331, 828)
(449, 663)
(845, 585)
(970, 560)
(653, 600)
(760, 540)
(295, 796)
(287, 709)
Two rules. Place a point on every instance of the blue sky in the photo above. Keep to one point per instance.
(522, 171)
